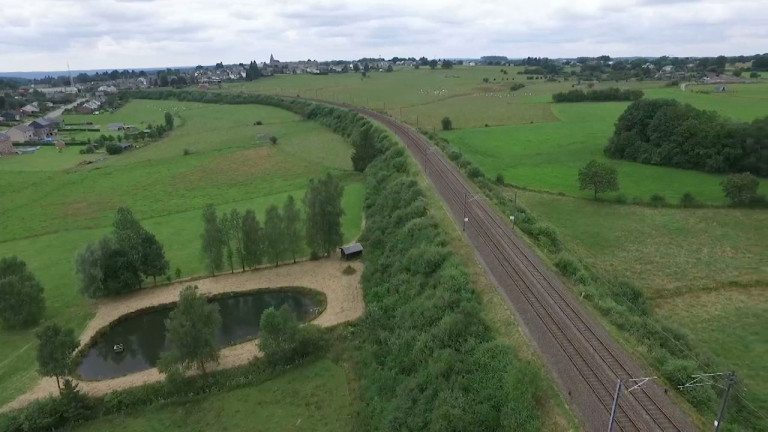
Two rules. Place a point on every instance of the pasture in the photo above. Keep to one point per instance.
(704, 270)
(52, 208)
(312, 397)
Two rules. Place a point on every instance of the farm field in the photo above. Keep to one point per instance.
(704, 270)
(52, 208)
(313, 397)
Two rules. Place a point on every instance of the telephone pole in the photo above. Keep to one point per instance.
(731, 381)
(636, 383)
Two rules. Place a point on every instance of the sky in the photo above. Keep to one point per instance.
(41, 35)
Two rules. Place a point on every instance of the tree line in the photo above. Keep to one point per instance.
(240, 238)
(603, 95)
(669, 133)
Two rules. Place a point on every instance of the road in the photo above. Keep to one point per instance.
(57, 112)
(584, 359)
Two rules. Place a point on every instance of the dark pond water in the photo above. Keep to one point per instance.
(143, 335)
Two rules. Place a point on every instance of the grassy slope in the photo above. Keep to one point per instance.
(704, 270)
(50, 213)
(312, 398)
(548, 155)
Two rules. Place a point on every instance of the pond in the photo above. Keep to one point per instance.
(142, 336)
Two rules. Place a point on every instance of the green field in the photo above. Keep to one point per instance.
(311, 398)
(52, 208)
(705, 270)
(547, 156)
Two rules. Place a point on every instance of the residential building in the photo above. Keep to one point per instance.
(21, 133)
(45, 128)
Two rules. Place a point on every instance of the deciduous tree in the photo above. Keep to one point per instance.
(598, 177)
(213, 239)
(253, 239)
(324, 211)
(191, 330)
(274, 238)
(292, 227)
(21, 295)
(54, 351)
(104, 268)
(236, 234)
(168, 121)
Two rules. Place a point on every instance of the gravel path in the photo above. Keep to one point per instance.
(344, 303)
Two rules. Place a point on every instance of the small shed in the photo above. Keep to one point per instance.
(352, 251)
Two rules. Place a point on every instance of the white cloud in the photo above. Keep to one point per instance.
(145, 33)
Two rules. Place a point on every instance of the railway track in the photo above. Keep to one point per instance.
(582, 356)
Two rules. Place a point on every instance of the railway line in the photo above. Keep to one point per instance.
(584, 359)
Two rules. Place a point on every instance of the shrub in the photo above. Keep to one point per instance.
(446, 124)
(283, 341)
(516, 86)
(273, 139)
(475, 172)
(658, 200)
(740, 189)
(113, 148)
(568, 266)
(499, 179)
(620, 199)
(89, 149)
(687, 200)
(259, 123)
(186, 152)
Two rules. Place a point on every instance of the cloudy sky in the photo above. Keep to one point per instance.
(92, 34)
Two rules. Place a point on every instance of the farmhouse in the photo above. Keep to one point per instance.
(44, 127)
(6, 145)
(21, 133)
(352, 251)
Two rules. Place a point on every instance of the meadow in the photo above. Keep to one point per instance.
(52, 207)
(703, 270)
(312, 397)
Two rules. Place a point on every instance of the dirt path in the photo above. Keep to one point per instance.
(344, 303)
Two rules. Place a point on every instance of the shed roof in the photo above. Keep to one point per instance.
(353, 248)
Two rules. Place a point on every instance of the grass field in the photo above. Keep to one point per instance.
(311, 398)
(547, 156)
(705, 271)
(51, 208)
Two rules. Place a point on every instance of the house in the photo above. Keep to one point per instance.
(6, 145)
(44, 127)
(352, 251)
(115, 127)
(10, 116)
(126, 145)
(30, 109)
(21, 133)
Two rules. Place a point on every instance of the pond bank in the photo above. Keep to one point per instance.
(344, 303)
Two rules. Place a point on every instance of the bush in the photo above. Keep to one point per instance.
(52, 413)
(273, 139)
(658, 200)
(568, 266)
(283, 341)
(687, 200)
(446, 124)
(741, 189)
(259, 123)
(114, 149)
(187, 152)
(474, 172)
(516, 86)
(499, 179)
